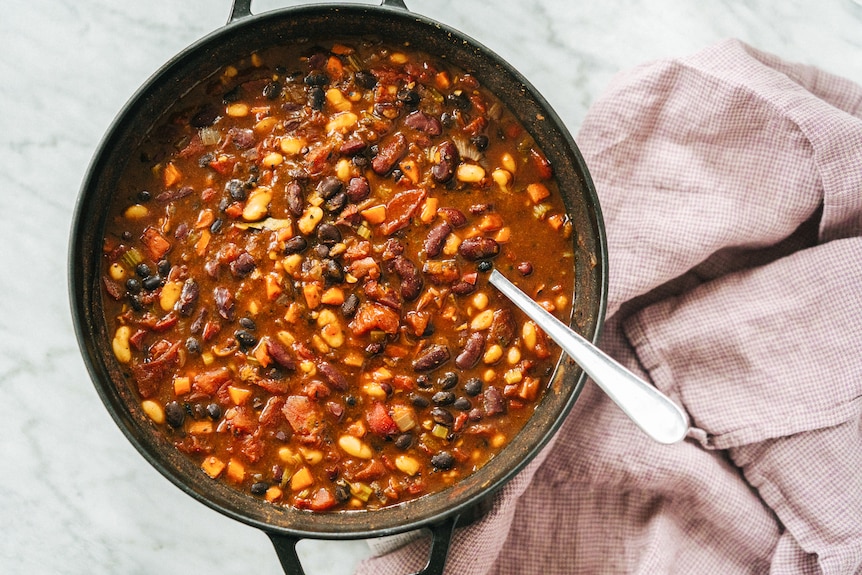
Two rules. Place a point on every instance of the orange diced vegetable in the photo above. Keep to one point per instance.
(332, 296)
(302, 479)
(182, 385)
(239, 395)
(374, 214)
(537, 192)
(172, 175)
(213, 466)
(235, 470)
(311, 291)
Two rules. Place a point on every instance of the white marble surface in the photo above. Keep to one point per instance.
(75, 497)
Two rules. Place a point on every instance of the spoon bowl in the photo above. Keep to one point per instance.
(650, 409)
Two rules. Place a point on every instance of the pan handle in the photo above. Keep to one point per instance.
(441, 538)
(242, 8)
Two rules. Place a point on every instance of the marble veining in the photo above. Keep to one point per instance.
(75, 497)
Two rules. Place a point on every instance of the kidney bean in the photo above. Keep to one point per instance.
(472, 351)
(493, 401)
(454, 216)
(295, 198)
(358, 189)
(243, 265)
(411, 278)
(478, 248)
(333, 376)
(503, 327)
(431, 358)
(188, 297)
(526, 268)
(436, 238)
(280, 354)
(421, 121)
(389, 154)
(225, 304)
(463, 286)
(352, 146)
(444, 169)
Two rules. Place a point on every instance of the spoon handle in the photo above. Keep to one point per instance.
(651, 410)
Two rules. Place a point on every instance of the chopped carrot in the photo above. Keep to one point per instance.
(311, 291)
(302, 479)
(537, 192)
(374, 214)
(332, 296)
(172, 175)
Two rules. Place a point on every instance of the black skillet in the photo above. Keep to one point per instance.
(244, 34)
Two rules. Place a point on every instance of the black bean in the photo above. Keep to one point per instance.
(448, 380)
(365, 79)
(144, 196)
(423, 381)
(443, 460)
(245, 339)
(342, 491)
(404, 441)
(193, 345)
(259, 487)
(247, 323)
(142, 270)
(336, 203)
(328, 234)
(295, 245)
(321, 251)
(164, 267)
(419, 401)
(473, 386)
(232, 95)
(332, 271)
(350, 305)
(272, 90)
(443, 398)
(152, 282)
(206, 116)
(410, 98)
(459, 100)
(485, 266)
(137, 302)
(217, 225)
(328, 187)
(213, 410)
(431, 358)
(462, 404)
(442, 416)
(480, 141)
(175, 414)
(133, 286)
(316, 79)
(317, 98)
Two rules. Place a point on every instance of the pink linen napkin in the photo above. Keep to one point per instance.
(731, 185)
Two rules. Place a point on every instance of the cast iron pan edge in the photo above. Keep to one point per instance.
(243, 34)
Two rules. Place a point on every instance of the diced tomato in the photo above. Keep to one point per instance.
(379, 420)
(157, 245)
(322, 500)
(300, 414)
(400, 209)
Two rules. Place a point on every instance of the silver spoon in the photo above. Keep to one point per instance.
(651, 410)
